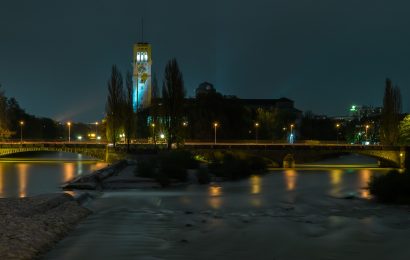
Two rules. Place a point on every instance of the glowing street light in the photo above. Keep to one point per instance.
(367, 127)
(291, 134)
(256, 131)
(215, 126)
(337, 133)
(185, 124)
(21, 131)
(153, 133)
(69, 131)
(96, 131)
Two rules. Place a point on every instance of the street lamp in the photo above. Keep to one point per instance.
(337, 133)
(96, 131)
(367, 127)
(215, 126)
(185, 124)
(291, 134)
(256, 131)
(153, 133)
(69, 131)
(21, 131)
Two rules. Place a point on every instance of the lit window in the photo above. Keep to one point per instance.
(146, 56)
(138, 56)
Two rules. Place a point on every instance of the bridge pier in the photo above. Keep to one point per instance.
(288, 161)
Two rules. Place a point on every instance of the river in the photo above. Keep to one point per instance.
(29, 174)
(319, 211)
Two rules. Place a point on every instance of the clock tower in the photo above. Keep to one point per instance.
(142, 76)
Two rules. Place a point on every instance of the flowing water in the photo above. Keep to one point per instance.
(319, 211)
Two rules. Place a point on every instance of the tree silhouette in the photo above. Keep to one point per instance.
(390, 117)
(114, 105)
(173, 94)
(129, 117)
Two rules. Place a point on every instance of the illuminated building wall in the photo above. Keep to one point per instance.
(142, 76)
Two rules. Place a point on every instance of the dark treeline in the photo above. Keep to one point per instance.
(13, 119)
(235, 120)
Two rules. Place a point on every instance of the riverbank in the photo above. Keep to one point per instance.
(30, 226)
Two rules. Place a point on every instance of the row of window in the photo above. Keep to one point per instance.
(142, 56)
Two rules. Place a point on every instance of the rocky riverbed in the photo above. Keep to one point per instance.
(31, 226)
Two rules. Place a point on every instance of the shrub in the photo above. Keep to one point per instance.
(258, 165)
(173, 169)
(203, 176)
(174, 164)
(393, 187)
(233, 168)
(146, 169)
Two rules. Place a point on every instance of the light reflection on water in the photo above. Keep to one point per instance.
(290, 179)
(23, 179)
(255, 181)
(214, 199)
(293, 184)
(364, 178)
(27, 178)
(336, 176)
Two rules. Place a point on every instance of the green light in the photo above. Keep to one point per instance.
(353, 108)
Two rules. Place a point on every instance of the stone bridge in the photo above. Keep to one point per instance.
(287, 155)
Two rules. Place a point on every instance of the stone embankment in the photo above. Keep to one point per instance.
(30, 226)
(94, 180)
(120, 175)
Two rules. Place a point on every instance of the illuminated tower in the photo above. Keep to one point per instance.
(142, 76)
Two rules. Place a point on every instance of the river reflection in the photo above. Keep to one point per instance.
(27, 178)
(215, 200)
(290, 179)
(364, 178)
(292, 184)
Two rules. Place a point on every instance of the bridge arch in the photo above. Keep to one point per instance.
(391, 156)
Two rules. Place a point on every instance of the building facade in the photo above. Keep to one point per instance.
(142, 62)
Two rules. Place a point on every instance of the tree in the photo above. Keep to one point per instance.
(155, 106)
(129, 117)
(114, 106)
(404, 127)
(390, 117)
(173, 94)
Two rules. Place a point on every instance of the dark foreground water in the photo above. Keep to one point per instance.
(36, 173)
(286, 214)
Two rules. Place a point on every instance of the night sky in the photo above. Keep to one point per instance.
(56, 56)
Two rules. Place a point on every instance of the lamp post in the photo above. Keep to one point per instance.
(21, 131)
(69, 131)
(337, 133)
(215, 126)
(153, 133)
(256, 131)
(367, 127)
(185, 124)
(291, 134)
(96, 132)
